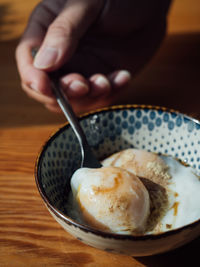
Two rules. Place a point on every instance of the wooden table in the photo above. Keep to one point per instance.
(29, 236)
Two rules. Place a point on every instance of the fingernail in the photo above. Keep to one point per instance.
(101, 82)
(77, 86)
(122, 77)
(33, 87)
(46, 58)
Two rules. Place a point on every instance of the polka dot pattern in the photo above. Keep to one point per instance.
(108, 131)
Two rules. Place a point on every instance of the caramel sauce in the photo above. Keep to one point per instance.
(104, 190)
(175, 207)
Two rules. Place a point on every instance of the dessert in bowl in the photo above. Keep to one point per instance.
(167, 208)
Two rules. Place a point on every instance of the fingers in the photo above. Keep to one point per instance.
(119, 78)
(100, 85)
(75, 85)
(101, 90)
(60, 40)
(38, 96)
(103, 85)
(31, 78)
(57, 45)
(32, 38)
(65, 32)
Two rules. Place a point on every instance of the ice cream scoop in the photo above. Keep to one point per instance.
(111, 199)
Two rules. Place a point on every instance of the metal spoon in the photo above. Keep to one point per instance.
(88, 158)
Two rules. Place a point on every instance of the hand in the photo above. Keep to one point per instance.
(97, 43)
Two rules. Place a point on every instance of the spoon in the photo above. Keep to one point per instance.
(88, 158)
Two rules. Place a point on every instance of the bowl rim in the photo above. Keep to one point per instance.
(87, 228)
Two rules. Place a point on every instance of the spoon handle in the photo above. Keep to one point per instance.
(65, 106)
(88, 158)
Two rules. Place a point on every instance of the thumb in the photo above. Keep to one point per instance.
(64, 33)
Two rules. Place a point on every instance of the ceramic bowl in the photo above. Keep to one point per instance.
(109, 130)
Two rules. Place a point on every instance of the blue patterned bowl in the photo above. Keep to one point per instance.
(109, 130)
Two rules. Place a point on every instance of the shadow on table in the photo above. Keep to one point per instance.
(171, 79)
(187, 255)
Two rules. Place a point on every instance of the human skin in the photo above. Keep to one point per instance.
(97, 45)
